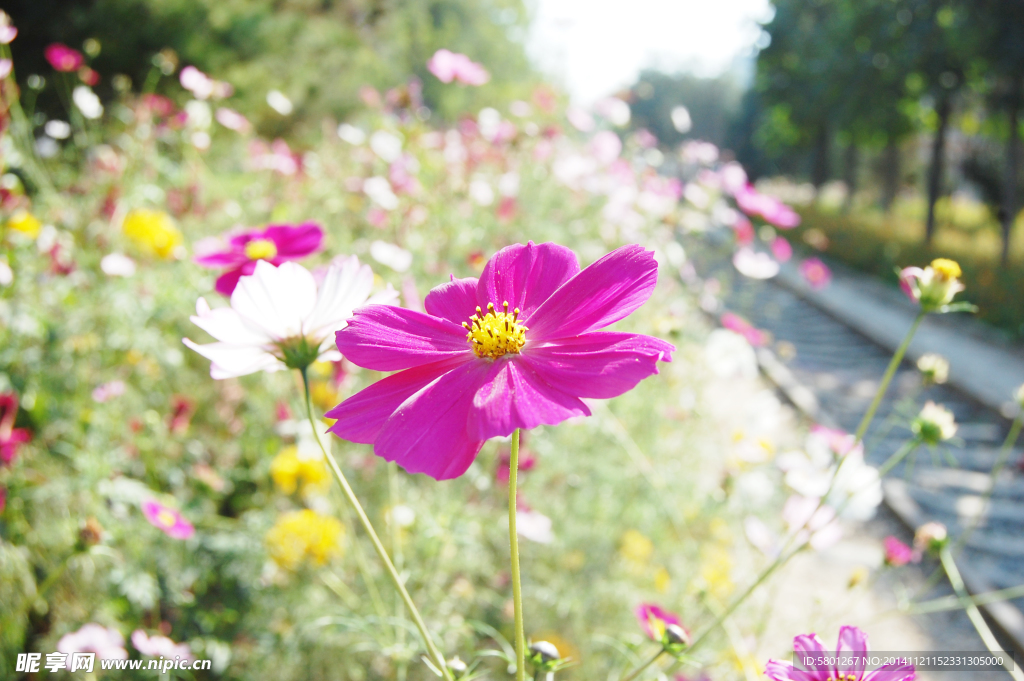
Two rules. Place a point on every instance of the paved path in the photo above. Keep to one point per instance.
(830, 349)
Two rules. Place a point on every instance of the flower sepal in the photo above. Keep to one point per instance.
(298, 352)
(544, 657)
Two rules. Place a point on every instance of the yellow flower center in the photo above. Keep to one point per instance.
(843, 677)
(166, 518)
(260, 249)
(496, 333)
(946, 269)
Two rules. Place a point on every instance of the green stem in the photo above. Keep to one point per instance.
(513, 540)
(953, 603)
(432, 651)
(898, 455)
(894, 364)
(640, 670)
(1001, 459)
(957, 582)
(396, 540)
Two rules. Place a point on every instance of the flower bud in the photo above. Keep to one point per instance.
(931, 537)
(91, 533)
(934, 424)
(675, 635)
(934, 369)
(543, 652)
(457, 666)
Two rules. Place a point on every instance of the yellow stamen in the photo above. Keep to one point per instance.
(166, 518)
(495, 333)
(946, 269)
(260, 249)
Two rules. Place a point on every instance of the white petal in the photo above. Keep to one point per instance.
(276, 299)
(229, 361)
(345, 287)
(228, 326)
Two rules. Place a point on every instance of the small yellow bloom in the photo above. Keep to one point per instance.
(662, 580)
(946, 269)
(716, 570)
(323, 394)
(289, 470)
(636, 548)
(153, 232)
(24, 222)
(298, 536)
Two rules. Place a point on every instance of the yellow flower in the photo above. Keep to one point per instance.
(298, 536)
(946, 269)
(24, 222)
(289, 469)
(662, 580)
(716, 570)
(153, 231)
(323, 394)
(636, 548)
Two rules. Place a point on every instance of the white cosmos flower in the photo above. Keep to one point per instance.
(755, 264)
(534, 526)
(279, 317)
(87, 102)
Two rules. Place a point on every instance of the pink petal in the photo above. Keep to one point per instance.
(361, 417)
(387, 338)
(599, 364)
(427, 433)
(603, 293)
(525, 276)
(514, 396)
(227, 282)
(295, 241)
(454, 301)
(812, 645)
(781, 670)
(219, 259)
(852, 640)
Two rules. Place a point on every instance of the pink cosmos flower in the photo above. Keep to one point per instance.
(8, 32)
(852, 641)
(242, 250)
(108, 391)
(775, 212)
(108, 644)
(744, 231)
(167, 520)
(517, 348)
(897, 553)
(754, 335)
(654, 619)
(449, 66)
(232, 120)
(63, 58)
(10, 437)
(6, 66)
(160, 646)
(816, 273)
(781, 249)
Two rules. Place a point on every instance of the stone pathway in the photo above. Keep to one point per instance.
(829, 351)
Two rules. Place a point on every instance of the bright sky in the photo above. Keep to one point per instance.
(595, 47)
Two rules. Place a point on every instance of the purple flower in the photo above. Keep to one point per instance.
(275, 244)
(167, 519)
(517, 348)
(852, 641)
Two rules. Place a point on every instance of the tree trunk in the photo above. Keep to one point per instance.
(937, 167)
(1010, 205)
(850, 163)
(890, 174)
(819, 172)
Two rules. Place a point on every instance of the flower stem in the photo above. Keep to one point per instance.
(900, 454)
(640, 670)
(513, 540)
(894, 364)
(957, 582)
(953, 603)
(435, 655)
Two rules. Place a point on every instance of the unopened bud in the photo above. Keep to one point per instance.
(676, 635)
(457, 665)
(544, 652)
(931, 537)
(91, 532)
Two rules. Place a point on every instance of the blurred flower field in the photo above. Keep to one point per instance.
(177, 513)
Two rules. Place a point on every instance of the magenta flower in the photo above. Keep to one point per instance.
(63, 58)
(11, 438)
(275, 244)
(775, 212)
(517, 348)
(816, 273)
(653, 620)
(167, 520)
(449, 66)
(897, 553)
(852, 641)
